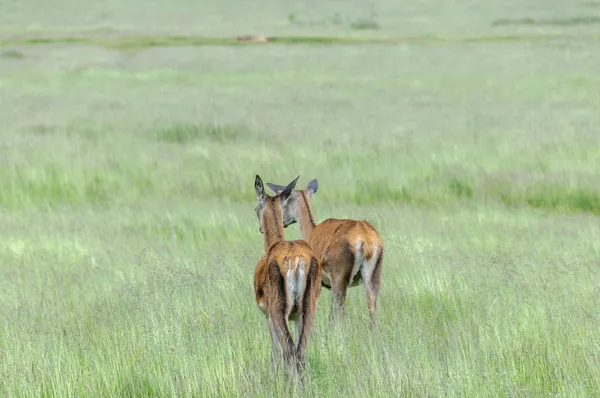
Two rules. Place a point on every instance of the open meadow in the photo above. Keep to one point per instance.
(467, 133)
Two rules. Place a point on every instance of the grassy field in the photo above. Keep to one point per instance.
(467, 133)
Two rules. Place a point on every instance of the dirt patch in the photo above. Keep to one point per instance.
(254, 39)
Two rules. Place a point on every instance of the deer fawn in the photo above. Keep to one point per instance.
(287, 282)
(350, 251)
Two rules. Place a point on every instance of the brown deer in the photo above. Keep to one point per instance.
(287, 282)
(350, 251)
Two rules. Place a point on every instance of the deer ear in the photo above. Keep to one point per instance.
(276, 188)
(287, 191)
(259, 188)
(312, 187)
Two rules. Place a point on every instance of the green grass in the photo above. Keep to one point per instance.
(572, 21)
(141, 42)
(128, 237)
(12, 54)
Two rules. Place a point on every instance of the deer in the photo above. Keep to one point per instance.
(287, 283)
(350, 251)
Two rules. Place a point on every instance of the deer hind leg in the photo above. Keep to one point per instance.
(343, 267)
(283, 339)
(299, 352)
(339, 288)
(276, 347)
(305, 321)
(372, 279)
(278, 321)
(299, 325)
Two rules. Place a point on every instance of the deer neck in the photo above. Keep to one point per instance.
(272, 226)
(305, 217)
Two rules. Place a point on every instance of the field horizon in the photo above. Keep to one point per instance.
(466, 133)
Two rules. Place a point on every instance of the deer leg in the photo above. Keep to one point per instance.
(300, 347)
(338, 304)
(299, 323)
(372, 280)
(279, 321)
(285, 340)
(304, 327)
(371, 294)
(276, 347)
(306, 320)
(341, 262)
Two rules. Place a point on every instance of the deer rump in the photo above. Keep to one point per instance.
(291, 278)
(349, 248)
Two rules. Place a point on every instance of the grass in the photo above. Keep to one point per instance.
(186, 133)
(572, 21)
(127, 232)
(364, 24)
(144, 42)
(12, 54)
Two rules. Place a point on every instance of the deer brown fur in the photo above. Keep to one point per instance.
(287, 282)
(350, 251)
